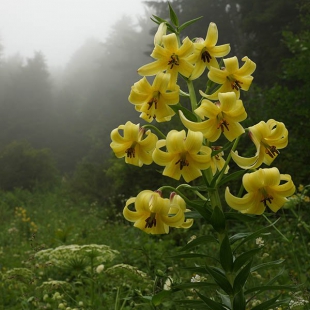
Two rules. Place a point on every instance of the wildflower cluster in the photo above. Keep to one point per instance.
(22, 216)
(197, 152)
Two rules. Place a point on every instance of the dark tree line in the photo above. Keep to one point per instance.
(73, 112)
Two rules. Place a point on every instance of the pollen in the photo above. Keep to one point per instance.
(131, 153)
(174, 61)
(205, 56)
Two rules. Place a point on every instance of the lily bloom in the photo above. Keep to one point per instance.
(161, 31)
(265, 188)
(154, 100)
(268, 138)
(184, 155)
(231, 77)
(206, 52)
(217, 161)
(153, 213)
(136, 144)
(177, 202)
(170, 58)
(223, 117)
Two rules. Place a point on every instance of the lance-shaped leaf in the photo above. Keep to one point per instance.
(219, 277)
(202, 240)
(267, 304)
(242, 277)
(226, 256)
(211, 304)
(268, 265)
(158, 298)
(173, 16)
(218, 219)
(239, 301)
(186, 24)
(244, 258)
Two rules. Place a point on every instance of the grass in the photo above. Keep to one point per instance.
(32, 223)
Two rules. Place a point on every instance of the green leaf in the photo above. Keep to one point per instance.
(255, 234)
(205, 240)
(244, 258)
(237, 237)
(186, 24)
(240, 217)
(191, 304)
(218, 219)
(233, 176)
(268, 264)
(201, 208)
(187, 113)
(191, 255)
(220, 278)
(239, 301)
(263, 288)
(226, 256)
(212, 305)
(191, 285)
(158, 298)
(265, 305)
(242, 276)
(173, 16)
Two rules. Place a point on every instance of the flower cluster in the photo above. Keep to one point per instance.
(191, 153)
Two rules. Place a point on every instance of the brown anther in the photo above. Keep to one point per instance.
(183, 163)
(130, 152)
(266, 199)
(173, 61)
(236, 85)
(150, 222)
(272, 151)
(150, 103)
(205, 56)
(223, 124)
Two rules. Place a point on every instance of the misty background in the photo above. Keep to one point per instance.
(58, 107)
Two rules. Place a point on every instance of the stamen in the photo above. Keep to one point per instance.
(131, 152)
(223, 124)
(236, 85)
(174, 60)
(182, 162)
(205, 56)
(150, 103)
(272, 151)
(150, 221)
(267, 198)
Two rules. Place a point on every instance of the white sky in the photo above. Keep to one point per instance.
(58, 28)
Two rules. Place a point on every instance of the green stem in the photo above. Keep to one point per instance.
(227, 161)
(155, 129)
(266, 218)
(192, 94)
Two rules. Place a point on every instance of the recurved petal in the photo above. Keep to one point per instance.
(129, 215)
(231, 64)
(217, 75)
(237, 203)
(248, 67)
(190, 172)
(162, 158)
(175, 141)
(235, 130)
(253, 181)
(245, 162)
(208, 109)
(220, 50)
(170, 42)
(153, 67)
(212, 35)
(287, 189)
(193, 141)
(186, 48)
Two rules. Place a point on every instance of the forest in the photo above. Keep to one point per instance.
(61, 184)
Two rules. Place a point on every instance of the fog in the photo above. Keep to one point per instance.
(59, 27)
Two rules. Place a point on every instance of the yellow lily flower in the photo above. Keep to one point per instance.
(268, 138)
(264, 190)
(206, 52)
(152, 212)
(154, 100)
(224, 117)
(177, 202)
(170, 58)
(136, 144)
(185, 155)
(217, 161)
(231, 77)
(161, 31)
